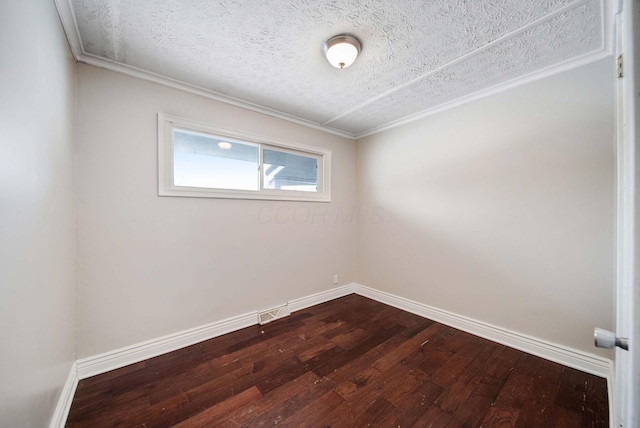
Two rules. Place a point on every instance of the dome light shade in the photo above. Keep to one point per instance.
(341, 51)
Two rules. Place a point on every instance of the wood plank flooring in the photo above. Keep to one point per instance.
(351, 362)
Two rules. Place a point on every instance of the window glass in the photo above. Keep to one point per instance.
(287, 171)
(207, 161)
(198, 160)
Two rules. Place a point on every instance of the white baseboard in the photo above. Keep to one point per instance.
(589, 363)
(566, 356)
(321, 297)
(61, 411)
(118, 358)
(122, 357)
(102, 363)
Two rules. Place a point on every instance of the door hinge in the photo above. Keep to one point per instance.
(619, 66)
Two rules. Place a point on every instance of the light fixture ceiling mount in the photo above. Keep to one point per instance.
(341, 51)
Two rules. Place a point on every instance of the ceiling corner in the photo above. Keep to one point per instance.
(70, 26)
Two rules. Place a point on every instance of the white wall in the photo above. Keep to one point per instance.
(149, 265)
(501, 210)
(37, 238)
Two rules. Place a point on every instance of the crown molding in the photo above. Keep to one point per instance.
(500, 87)
(149, 76)
(606, 25)
(70, 25)
(606, 50)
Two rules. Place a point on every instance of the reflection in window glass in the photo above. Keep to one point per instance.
(207, 161)
(286, 171)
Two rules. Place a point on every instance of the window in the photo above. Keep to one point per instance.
(197, 160)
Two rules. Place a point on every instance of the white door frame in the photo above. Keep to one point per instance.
(626, 406)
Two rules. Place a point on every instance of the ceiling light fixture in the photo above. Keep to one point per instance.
(341, 51)
(224, 145)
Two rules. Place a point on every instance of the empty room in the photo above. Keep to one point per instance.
(332, 213)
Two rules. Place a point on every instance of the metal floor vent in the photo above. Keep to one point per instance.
(273, 314)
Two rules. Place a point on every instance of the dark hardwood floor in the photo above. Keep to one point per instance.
(351, 362)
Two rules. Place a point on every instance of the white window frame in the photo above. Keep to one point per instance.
(166, 126)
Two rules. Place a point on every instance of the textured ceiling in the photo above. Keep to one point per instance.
(417, 55)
